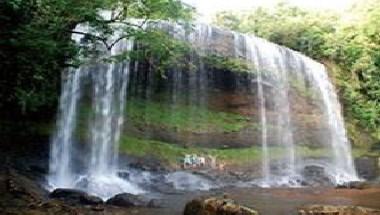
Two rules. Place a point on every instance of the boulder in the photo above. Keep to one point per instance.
(75, 197)
(129, 200)
(336, 210)
(217, 206)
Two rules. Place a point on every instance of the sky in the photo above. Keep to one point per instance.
(207, 8)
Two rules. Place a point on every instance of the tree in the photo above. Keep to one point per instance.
(284, 24)
(36, 41)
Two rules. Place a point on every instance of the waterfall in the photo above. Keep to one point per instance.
(99, 174)
(84, 149)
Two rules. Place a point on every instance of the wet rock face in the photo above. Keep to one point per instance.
(216, 206)
(337, 210)
(75, 197)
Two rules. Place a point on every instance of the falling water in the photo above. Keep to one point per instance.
(269, 64)
(109, 95)
(264, 130)
(252, 56)
(61, 172)
(100, 173)
(344, 167)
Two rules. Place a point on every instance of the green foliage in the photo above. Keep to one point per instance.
(356, 47)
(183, 117)
(286, 25)
(350, 40)
(160, 50)
(35, 41)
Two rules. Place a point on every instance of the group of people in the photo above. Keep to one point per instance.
(195, 161)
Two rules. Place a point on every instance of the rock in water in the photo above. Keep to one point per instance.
(127, 200)
(75, 197)
(216, 206)
(337, 210)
